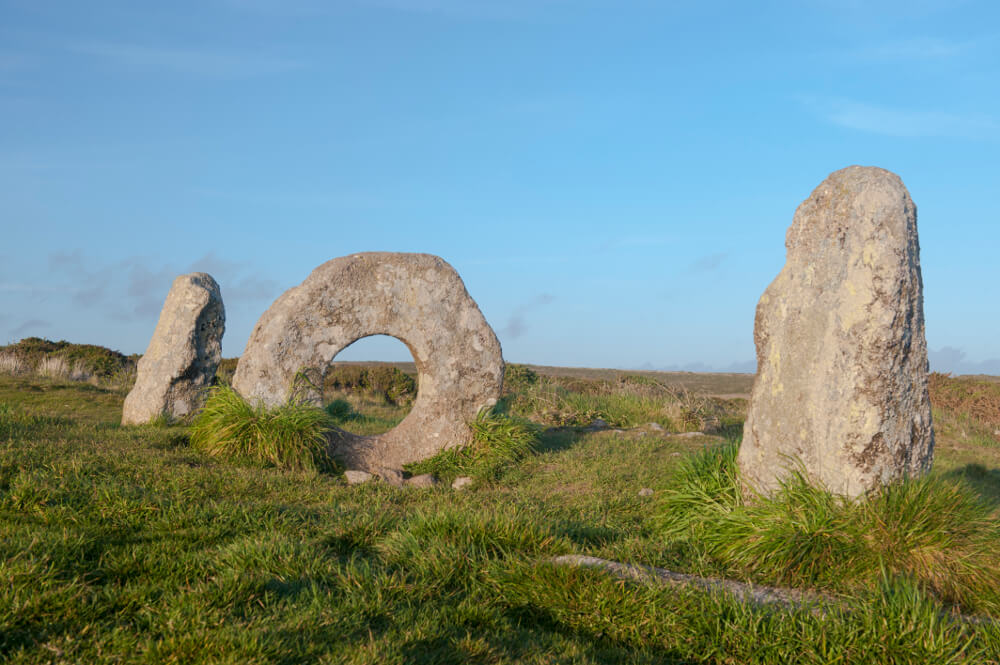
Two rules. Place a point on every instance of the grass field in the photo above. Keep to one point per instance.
(128, 545)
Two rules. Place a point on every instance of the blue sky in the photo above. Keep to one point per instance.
(612, 178)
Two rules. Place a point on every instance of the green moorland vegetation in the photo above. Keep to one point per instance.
(232, 539)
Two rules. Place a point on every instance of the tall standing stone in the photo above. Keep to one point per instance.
(841, 387)
(183, 354)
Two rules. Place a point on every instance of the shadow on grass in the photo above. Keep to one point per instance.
(555, 439)
(601, 647)
(986, 482)
(588, 535)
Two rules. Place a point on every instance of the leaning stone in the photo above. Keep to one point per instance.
(462, 482)
(417, 298)
(183, 354)
(841, 386)
(355, 477)
(423, 480)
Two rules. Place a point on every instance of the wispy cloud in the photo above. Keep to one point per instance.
(22, 287)
(708, 263)
(743, 367)
(29, 326)
(916, 48)
(516, 324)
(904, 122)
(458, 9)
(238, 279)
(293, 8)
(14, 62)
(953, 360)
(866, 11)
(133, 288)
(476, 9)
(212, 63)
(634, 240)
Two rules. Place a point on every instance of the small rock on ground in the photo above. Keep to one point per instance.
(354, 477)
(646, 491)
(392, 476)
(423, 480)
(461, 482)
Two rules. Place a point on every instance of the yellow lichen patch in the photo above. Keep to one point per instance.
(868, 254)
(853, 307)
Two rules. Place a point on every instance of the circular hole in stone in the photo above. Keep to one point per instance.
(371, 385)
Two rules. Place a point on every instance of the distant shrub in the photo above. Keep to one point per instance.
(517, 377)
(291, 436)
(65, 360)
(384, 382)
(974, 398)
(340, 410)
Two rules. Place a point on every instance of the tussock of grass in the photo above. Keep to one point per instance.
(450, 547)
(498, 441)
(291, 436)
(15, 423)
(930, 530)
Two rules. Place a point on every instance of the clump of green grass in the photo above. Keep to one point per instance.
(451, 546)
(929, 530)
(290, 436)
(15, 423)
(498, 441)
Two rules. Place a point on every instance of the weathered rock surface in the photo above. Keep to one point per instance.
(355, 477)
(841, 386)
(423, 480)
(183, 354)
(417, 298)
(462, 482)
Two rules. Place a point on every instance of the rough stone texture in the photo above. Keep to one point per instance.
(423, 480)
(183, 354)
(841, 386)
(417, 298)
(462, 482)
(355, 477)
